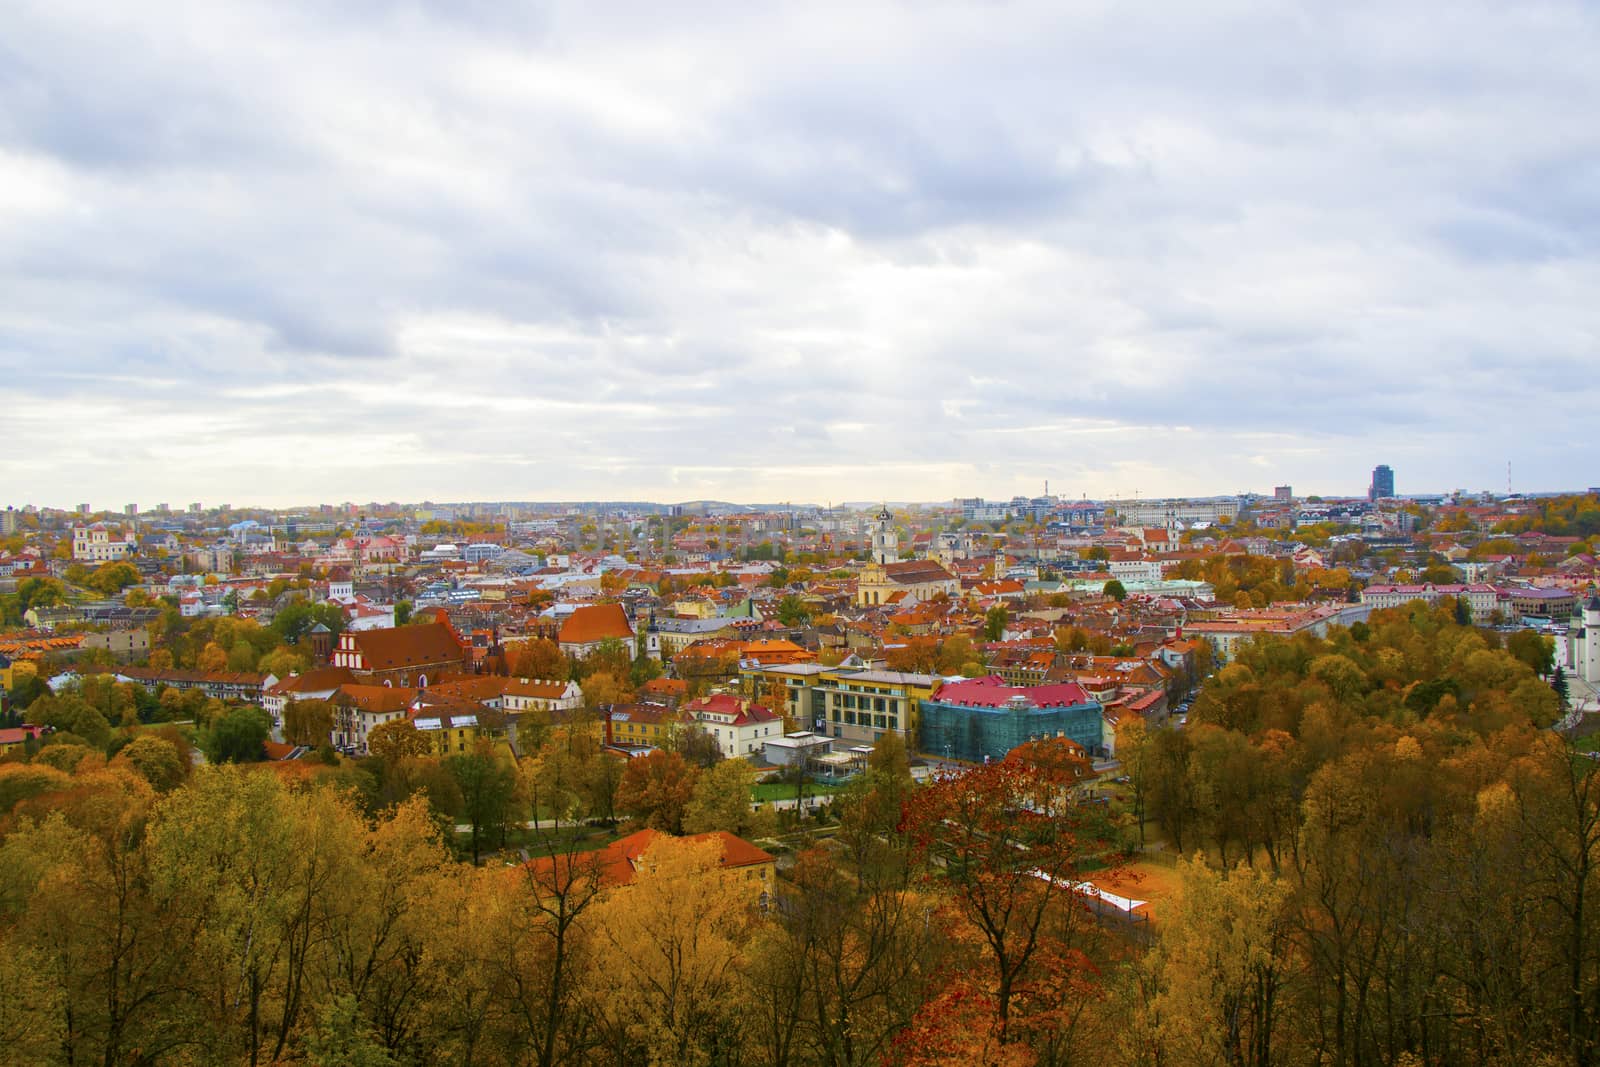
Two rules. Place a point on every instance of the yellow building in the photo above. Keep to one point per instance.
(848, 703)
(863, 705)
(644, 725)
(453, 732)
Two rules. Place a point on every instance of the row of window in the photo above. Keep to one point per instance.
(865, 703)
(880, 722)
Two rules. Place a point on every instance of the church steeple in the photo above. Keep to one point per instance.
(885, 543)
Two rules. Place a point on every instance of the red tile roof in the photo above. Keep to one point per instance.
(378, 699)
(618, 862)
(315, 681)
(421, 645)
(596, 622)
(994, 692)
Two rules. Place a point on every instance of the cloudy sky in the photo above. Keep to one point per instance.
(278, 253)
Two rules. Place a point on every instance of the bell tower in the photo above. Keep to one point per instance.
(885, 543)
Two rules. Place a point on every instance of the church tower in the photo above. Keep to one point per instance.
(885, 543)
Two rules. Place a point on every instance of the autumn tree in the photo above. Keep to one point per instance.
(1224, 957)
(538, 658)
(487, 787)
(308, 722)
(721, 799)
(395, 740)
(157, 761)
(604, 688)
(1007, 838)
(656, 789)
(666, 956)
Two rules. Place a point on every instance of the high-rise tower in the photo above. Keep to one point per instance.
(1382, 483)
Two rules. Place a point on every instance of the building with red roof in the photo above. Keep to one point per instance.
(739, 726)
(620, 862)
(403, 655)
(985, 718)
(588, 626)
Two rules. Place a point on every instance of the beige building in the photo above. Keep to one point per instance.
(99, 543)
(889, 580)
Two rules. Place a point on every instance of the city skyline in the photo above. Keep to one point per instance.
(796, 251)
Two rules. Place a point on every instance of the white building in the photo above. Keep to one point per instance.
(1585, 643)
(98, 543)
(740, 727)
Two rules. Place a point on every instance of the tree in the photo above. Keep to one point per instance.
(299, 617)
(538, 658)
(556, 892)
(396, 740)
(238, 736)
(1115, 590)
(109, 579)
(721, 799)
(487, 786)
(402, 612)
(644, 669)
(611, 657)
(1008, 833)
(1133, 746)
(158, 761)
(604, 688)
(601, 778)
(696, 745)
(70, 713)
(666, 953)
(655, 789)
(792, 611)
(308, 722)
(1534, 649)
(1224, 957)
(994, 623)
(213, 659)
(343, 1038)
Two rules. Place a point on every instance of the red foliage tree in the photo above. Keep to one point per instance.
(1004, 841)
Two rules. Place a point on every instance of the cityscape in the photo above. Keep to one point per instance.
(567, 692)
(957, 534)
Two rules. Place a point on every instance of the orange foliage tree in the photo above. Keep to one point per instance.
(1004, 840)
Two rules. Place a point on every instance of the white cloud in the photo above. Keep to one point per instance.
(793, 251)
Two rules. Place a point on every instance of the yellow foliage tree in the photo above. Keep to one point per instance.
(666, 949)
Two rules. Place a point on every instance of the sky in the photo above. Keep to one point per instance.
(286, 253)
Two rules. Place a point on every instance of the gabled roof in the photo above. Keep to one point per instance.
(916, 571)
(408, 646)
(739, 712)
(320, 680)
(537, 688)
(378, 699)
(596, 622)
(476, 689)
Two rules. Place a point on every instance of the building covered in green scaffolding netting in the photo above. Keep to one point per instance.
(984, 718)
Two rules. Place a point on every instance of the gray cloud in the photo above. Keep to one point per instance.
(797, 251)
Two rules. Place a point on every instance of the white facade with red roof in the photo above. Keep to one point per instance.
(740, 727)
